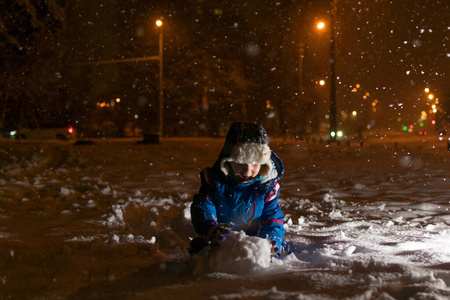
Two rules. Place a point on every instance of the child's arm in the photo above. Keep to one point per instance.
(272, 217)
(203, 210)
(203, 214)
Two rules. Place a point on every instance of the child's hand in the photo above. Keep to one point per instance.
(275, 251)
(279, 252)
(218, 234)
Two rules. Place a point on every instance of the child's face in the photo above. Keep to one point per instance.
(245, 172)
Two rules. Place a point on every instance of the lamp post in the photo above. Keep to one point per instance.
(159, 23)
(301, 88)
(333, 125)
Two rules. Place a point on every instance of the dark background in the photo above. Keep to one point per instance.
(223, 61)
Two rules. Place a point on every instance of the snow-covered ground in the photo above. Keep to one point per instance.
(110, 220)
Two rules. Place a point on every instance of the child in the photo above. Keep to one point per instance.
(240, 192)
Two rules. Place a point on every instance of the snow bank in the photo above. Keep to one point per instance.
(239, 254)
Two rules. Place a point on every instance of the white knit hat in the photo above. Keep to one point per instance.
(246, 143)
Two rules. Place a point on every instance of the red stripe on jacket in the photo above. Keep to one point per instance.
(271, 221)
(253, 210)
(252, 214)
(271, 196)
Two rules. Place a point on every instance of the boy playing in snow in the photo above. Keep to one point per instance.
(240, 192)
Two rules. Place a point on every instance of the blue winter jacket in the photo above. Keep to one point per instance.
(252, 207)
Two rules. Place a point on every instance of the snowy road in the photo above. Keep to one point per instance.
(110, 220)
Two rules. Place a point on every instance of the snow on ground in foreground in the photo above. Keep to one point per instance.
(238, 254)
(388, 252)
(384, 242)
(365, 230)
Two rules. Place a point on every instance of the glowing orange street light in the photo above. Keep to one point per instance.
(161, 106)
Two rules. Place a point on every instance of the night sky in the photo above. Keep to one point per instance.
(394, 49)
(391, 49)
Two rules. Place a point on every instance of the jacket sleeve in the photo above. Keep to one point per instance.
(203, 210)
(272, 217)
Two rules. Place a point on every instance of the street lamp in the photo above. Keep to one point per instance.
(159, 23)
(320, 26)
(333, 117)
(333, 125)
(301, 88)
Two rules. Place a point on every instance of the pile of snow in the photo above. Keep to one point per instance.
(114, 218)
(130, 238)
(238, 254)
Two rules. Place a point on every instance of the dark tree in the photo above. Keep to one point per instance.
(29, 66)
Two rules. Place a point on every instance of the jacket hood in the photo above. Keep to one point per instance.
(248, 143)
